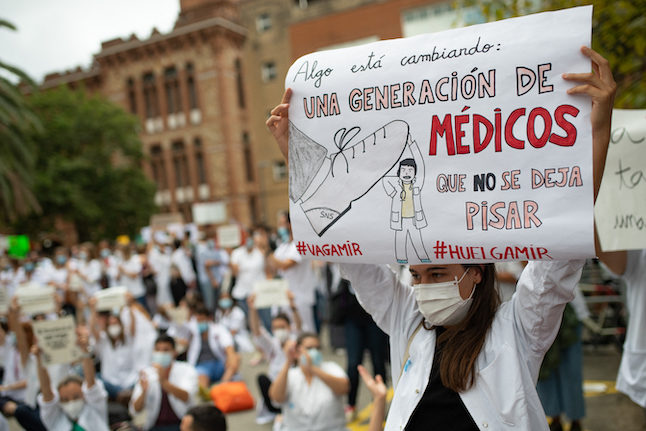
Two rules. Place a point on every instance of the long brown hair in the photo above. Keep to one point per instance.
(461, 344)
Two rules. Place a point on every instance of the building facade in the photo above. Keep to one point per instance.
(204, 90)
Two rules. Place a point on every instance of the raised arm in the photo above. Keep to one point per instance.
(600, 86)
(278, 123)
(278, 388)
(43, 377)
(16, 327)
(83, 341)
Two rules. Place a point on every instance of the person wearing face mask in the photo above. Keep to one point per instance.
(312, 392)
(271, 345)
(165, 390)
(115, 349)
(460, 360)
(212, 263)
(210, 350)
(248, 266)
(229, 315)
(88, 268)
(77, 404)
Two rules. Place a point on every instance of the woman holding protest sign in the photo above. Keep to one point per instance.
(461, 360)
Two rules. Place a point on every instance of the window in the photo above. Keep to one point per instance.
(279, 170)
(190, 85)
(263, 22)
(157, 167)
(171, 86)
(248, 160)
(199, 161)
(180, 165)
(132, 96)
(150, 96)
(240, 87)
(438, 17)
(268, 71)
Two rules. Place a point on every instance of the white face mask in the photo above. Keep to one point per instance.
(281, 334)
(72, 409)
(441, 303)
(114, 330)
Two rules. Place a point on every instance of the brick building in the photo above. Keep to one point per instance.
(204, 90)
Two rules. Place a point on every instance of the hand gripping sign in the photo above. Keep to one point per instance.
(447, 147)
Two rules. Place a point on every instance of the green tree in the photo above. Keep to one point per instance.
(617, 34)
(17, 122)
(88, 166)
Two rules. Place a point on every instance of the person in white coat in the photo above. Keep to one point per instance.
(459, 359)
(165, 390)
(77, 404)
(629, 265)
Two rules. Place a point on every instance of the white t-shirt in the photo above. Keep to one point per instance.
(251, 268)
(135, 285)
(313, 406)
(301, 277)
(118, 362)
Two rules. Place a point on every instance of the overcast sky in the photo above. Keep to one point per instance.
(55, 35)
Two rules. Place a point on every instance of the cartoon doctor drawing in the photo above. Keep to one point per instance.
(407, 217)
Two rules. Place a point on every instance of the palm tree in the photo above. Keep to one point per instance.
(17, 122)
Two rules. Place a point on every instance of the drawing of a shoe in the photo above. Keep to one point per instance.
(326, 185)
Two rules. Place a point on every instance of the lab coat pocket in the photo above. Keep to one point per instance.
(394, 216)
(501, 382)
(419, 215)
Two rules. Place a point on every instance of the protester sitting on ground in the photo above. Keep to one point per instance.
(165, 390)
(77, 404)
(211, 350)
(454, 364)
(204, 417)
(271, 345)
(14, 382)
(378, 389)
(233, 318)
(115, 348)
(25, 341)
(312, 393)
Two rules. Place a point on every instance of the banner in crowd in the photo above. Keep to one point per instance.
(620, 211)
(447, 147)
(57, 340)
(112, 298)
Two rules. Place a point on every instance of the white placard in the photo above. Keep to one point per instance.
(620, 211)
(111, 298)
(209, 213)
(229, 236)
(36, 299)
(270, 292)
(57, 340)
(458, 146)
(178, 315)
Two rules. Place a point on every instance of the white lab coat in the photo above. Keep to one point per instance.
(182, 375)
(219, 339)
(631, 379)
(504, 395)
(94, 415)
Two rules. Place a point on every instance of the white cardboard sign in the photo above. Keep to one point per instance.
(459, 146)
(229, 236)
(36, 299)
(111, 298)
(620, 211)
(57, 340)
(271, 292)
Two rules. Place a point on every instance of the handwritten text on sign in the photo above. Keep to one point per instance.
(464, 139)
(620, 211)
